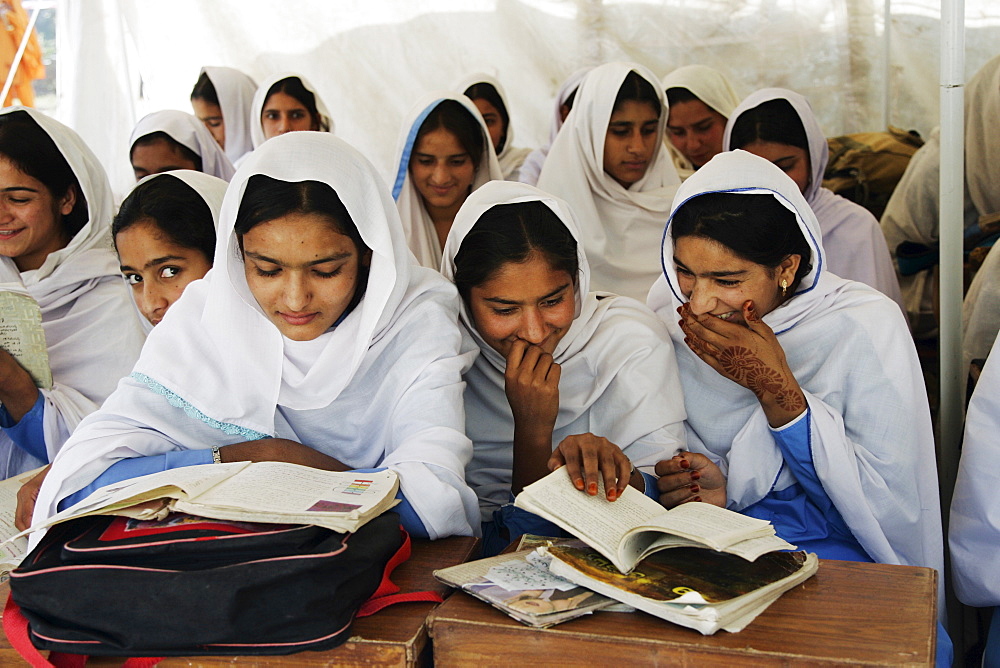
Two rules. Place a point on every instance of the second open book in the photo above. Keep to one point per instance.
(634, 526)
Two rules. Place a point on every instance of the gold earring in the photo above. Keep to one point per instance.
(784, 288)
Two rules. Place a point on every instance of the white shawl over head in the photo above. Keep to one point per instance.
(211, 189)
(851, 353)
(91, 329)
(235, 91)
(532, 166)
(854, 244)
(362, 392)
(974, 531)
(188, 131)
(711, 87)
(618, 373)
(260, 97)
(620, 228)
(510, 158)
(420, 232)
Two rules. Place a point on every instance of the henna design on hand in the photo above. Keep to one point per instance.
(791, 401)
(737, 361)
(762, 380)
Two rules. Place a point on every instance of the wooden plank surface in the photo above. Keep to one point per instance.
(847, 614)
(395, 636)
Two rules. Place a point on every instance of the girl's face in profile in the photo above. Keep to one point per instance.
(210, 114)
(302, 272)
(631, 141)
(156, 268)
(527, 300)
(283, 113)
(792, 160)
(494, 121)
(716, 281)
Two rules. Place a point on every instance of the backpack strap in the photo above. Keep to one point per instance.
(387, 592)
(15, 625)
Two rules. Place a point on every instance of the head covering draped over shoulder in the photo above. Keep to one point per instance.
(853, 241)
(532, 166)
(509, 157)
(420, 232)
(620, 227)
(260, 98)
(850, 351)
(188, 131)
(92, 332)
(360, 392)
(211, 190)
(235, 91)
(711, 87)
(618, 372)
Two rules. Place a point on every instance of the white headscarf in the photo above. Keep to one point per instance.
(420, 232)
(851, 353)
(188, 131)
(619, 227)
(235, 91)
(532, 166)
(618, 373)
(913, 210)
(854, 244)
(260, 97)
(92, 332)
(711, 87)
(211, 190)
(361, 392)
(974, 531)
(510, 157)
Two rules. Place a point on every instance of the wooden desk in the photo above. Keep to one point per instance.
(395, 636)
(847, 614)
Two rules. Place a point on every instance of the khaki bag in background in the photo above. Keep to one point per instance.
(866, 167)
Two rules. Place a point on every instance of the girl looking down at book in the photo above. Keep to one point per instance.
(54, 220)
(165, 236)
(445, 153)
(299, 347)
(803, 390)
(565, 376)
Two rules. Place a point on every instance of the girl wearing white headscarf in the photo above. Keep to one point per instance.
(803, 388)
(613, 374)
(91, 330)
(183, 133)
(779, 125)
(222, 369)
(621, 217)
(489, 97)
(222, 99)
(911, 214)
(287, 102)
(693, 85)
(431, 182)
(165, 237)
(974, 531)
(565, 96)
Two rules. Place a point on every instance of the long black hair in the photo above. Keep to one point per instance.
(636, 89)
(772, 121)
(452, 115)
(204, 89)
(513, 233)
(487, 91)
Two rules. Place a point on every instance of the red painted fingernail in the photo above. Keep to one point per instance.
(578, 483)
(697, 498)
(612, 495)
(592, 488)
(695, 475)
(694, 489)
(685, 464)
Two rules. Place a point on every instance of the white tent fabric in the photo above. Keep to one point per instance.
(120, 59)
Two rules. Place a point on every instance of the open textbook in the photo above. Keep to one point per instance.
(21, 333)
(693, 587)
(11, 551)
(275, 492)
(521, 585)
(633, 527)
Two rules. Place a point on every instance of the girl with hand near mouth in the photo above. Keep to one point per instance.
(565, 376)
(297, 347)
(54, 232)
(445, 153)
(805, 400)
(609, 161)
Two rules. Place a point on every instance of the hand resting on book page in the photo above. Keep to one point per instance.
(586, 455)
(689, 476)
(26, 497)
(18, 392)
